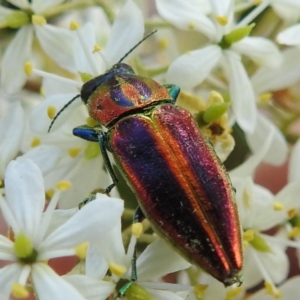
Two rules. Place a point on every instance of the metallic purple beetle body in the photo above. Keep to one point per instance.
(182, 187)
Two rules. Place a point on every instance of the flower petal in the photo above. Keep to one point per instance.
(127, 31)
(90, 288)
(6, 248)
(11, 133)
(95, 265)
(261, 50)
(241, 92)
(9, 274)
(39, 6)
(289, 289)
(87, 61)
(266, 80)
(162, 294)
(187, 15)
(111, 247)
(192, 68)
(247, 167)
(294, 164)
(4, 12)
(256, 206)
(20, 3)
(159, 259)
(39, 119)
(290, 36)
(82, 185)
(58, 43)
(48, 285)
(45, 157)
(289, 13)
(96, 219)
(17, 53)
(278, 149)
(24, 188)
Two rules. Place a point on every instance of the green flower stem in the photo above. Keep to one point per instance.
(65, 7)
(147, 238)
(128, 214)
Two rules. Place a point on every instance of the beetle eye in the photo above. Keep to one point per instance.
(123, 68)
(90, 86)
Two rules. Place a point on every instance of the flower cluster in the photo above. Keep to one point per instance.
(65, 234)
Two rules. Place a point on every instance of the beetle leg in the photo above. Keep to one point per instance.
(138, 218)
(95, 134)
(173, 90)
(102, 139)
(86, 201)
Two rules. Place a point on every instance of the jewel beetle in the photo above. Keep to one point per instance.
(181, 185)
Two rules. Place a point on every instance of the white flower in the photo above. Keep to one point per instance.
(260, 210)
(40, 236)
(193, 67)
(54, 41)
(157, 260)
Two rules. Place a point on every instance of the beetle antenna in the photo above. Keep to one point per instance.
(147, 36)
(63, 108)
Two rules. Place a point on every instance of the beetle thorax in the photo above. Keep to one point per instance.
(124, 94)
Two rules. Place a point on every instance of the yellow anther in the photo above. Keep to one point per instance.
(51, 111)
(265, 98)
(23, 246)
(278, 206)
(80, 250)
(35, 142)
(97, 48)
(214, 98)
(63, 185)
(232, 293)
(117, 270)
(49, 194)
(91, 122)
(92, 151)
(292, 213)
(245, 244)
(28, 68)
(74, 25)
(247, 198)
(222, 20)
(199, 290)
(295, 232)
(38, 20)
(42, 92)
(192, 25)
(257, 2)
(248, 235)
(85, 76)
(272, 290)
(73, 152)
(163, 43)
(19, 291)
(137, 229)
